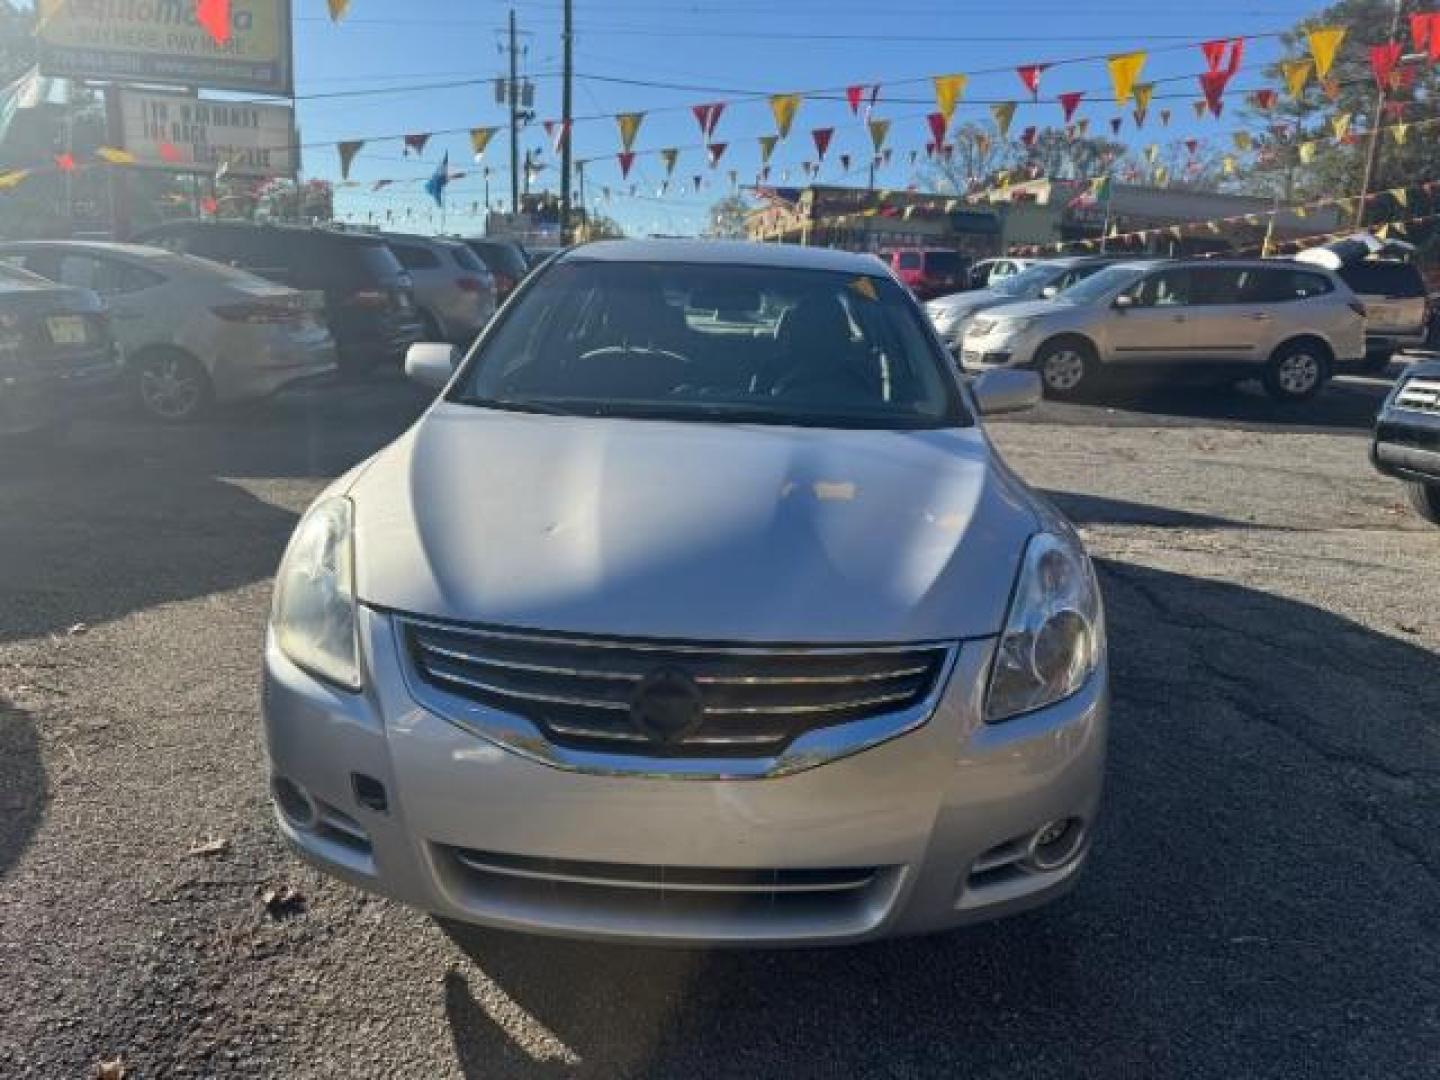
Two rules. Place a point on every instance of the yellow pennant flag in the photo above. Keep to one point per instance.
(629, 125)
(767, 147)
(1341, 124)
(480, 139)
(1302, 211)
(784, 106)
(949, 89)
(1296, 74)
(13, 178)
(1307, 152)
(1161, 175)
(1401, 196)
(338, 8)
(879, 129)
(1152, 152)
(1398, 132)
(1142, 92)
(1399, 227)
(113, 156)
(1004, 113)
(669, 156)
(1241, 139)
(1383, 232)
(1124, 70)
(1229, 164)
(1324, 44)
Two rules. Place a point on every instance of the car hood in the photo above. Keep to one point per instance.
(966, 303)
(695, 531)
(1027, 309)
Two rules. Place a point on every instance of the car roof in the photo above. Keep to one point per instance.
(417, 238)
(101, 247)
(269, 228)
(726, 253)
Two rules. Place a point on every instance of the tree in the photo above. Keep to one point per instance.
(976, 153)
(727, 218)
(599, 226)
(977, 156)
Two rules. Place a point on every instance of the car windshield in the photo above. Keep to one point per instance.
(716, 343)
(1029, 282)
(1098, 286)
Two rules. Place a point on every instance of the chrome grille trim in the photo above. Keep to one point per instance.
(564, 700)
(1419, 395)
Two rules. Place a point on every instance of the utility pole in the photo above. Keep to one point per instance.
(565, 120)
(1372, 153)
(512, 91)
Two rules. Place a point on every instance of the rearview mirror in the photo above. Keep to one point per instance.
(1006, 390)
(431, 364)
(1123, 301)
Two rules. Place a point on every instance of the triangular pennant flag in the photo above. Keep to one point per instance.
(214, 18)
(12, 178)
(767, 147)
(879, 129)
(1228, 163)
(948, 90)
(1214, 53)
(1340, 124)
(732, 176)
(1324, 44)
(1027, 137)
(1152, 152)
(338, 8)
(480, 140)
(626, 159)
(784, 107)
(629, 125)
(708, 117)
(347, 151)
(1165, 117)
(1082, 127)
(937, 127)
(1264, 100)
(1398, 132)
(1331, 88)
(1401, 196)
(1200, 107)
(716, 152)
(822, 137)
(1069, 102)
(114, 156)
(982, 142)
(1383, 59)
(416, 143)
(557, 131)
(1139, 115)
(1242, 140)
(668, 157)
(854, 95)
(1125, 69)
(1030, 76)
(1116, 122)
(845, 163)
(1212, 85)
(1142, 93)
(1162, 174)
(435, 186)
(1296, 74)
(1307, 153)
(1003, 113)
(697, 180)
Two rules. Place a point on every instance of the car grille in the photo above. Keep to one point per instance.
(1420, 395)
(659, 900)
(752, 702)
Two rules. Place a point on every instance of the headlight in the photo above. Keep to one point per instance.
(1055, 633)
(944, 318)
(313, 617)
(1006, 327)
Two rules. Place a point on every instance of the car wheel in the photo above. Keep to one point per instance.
(1297, 372)
(1066, 367)
(172, 385)
(1425, 498)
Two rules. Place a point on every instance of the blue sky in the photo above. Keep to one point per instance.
(728, 52)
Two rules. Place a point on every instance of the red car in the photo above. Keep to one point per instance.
(929, 272)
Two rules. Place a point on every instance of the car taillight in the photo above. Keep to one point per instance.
(261, 311)
(1357, 307)
(371, 298)
(470, 284)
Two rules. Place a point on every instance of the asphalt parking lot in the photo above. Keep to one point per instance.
(1264, 899)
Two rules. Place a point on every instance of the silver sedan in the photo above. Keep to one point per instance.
(701, 611)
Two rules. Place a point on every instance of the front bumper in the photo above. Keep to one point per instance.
(1407, 445)
(32, 403)
(980, 352)
(924, 832)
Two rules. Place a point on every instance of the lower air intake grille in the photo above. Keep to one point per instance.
(669, 699)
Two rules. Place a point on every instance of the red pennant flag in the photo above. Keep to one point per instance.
(716, 150)
(1192, 145)
(214, 18)
(1383, 59)
(930, 149)
(65, 162)
(822, 137)
(1116, 122)
(417, 142)
(708, 117)
(627, 158)
(1164, 117)
(169, 152)
(1213, 84)
(937, 126)
(854, 95)
(1265, 99)
(1403, 78)
(1214, 53)
(1395, 110)
(1070, 102)
(1030, 76)
(1139, 115)
(209, 206)
(1028, 136)
(557, 131)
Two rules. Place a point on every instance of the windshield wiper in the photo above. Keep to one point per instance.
(539, 408)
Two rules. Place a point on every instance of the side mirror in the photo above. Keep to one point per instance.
(1123, 301)
(1006, 390)
(430, 364)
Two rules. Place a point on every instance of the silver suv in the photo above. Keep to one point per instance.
(1281, 322)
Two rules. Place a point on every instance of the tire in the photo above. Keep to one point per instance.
(172, 386)
(1297, 371)
(1425, 498)
(1067, 367)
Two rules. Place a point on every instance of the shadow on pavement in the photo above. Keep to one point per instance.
(1084, 509)
(1261, 900)
(22, 784)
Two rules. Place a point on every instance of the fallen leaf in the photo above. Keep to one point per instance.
(282, 900)
(216, 846)
(1408, 628)
(110, 1070)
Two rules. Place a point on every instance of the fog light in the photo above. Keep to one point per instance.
(1056, 844)
(293, 802)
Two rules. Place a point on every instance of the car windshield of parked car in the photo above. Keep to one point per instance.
(1029, 282)
(716, 343)
(1098, 286)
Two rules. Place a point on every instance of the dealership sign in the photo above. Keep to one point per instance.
(160, 41)
(183, 133)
